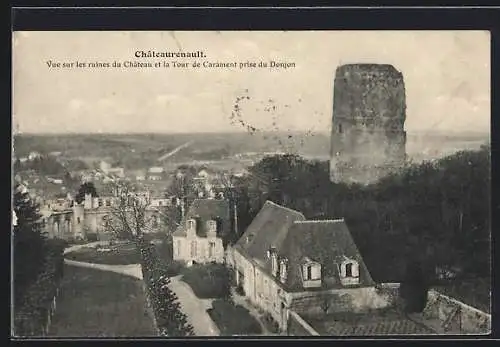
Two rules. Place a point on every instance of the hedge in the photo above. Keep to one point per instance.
(32, 315)
(170, 320)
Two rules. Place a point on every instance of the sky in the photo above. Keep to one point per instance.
(446, 74)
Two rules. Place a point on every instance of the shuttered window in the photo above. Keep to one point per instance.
(355, 270)
(315, 272)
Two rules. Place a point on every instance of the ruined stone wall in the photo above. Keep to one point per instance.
(339, 300)
(369, 110)
(455, 315)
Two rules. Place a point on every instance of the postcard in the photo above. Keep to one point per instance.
(250, 183)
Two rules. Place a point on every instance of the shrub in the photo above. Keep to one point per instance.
(414, 288)
(208, 280)
(240, 291)
(233, 319)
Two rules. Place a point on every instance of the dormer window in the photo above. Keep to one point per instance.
(249, 238)
(191, 225)
(311, 273)
(212, 226)
(349, 272)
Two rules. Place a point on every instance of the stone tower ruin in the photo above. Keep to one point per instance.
(368, 140)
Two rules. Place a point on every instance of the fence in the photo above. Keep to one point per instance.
(35, 324)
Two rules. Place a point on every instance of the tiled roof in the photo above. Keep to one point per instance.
(327, 242)
(368, 325)
(204, 210)
(268, 229)
(394, 327)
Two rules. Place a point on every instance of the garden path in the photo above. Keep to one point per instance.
(194, 308)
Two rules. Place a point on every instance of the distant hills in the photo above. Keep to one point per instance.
(144, 149)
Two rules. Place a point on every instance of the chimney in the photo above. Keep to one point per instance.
(192, 225)
(283, 270)
(274, 262)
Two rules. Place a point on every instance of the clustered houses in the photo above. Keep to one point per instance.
(89, 219)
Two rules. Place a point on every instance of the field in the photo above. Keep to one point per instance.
(139, 151)
(96, 303)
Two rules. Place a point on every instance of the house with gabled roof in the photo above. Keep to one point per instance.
(284, 263)
(201, 235)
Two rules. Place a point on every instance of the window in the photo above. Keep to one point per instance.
(283, 270)
(99, 202)
(78, 220)
(160, 203)
(108, 202)
(312, 272)
(178, 251)
(274, 263)
(340, 128)
(191, 224)
(348, 270)
(351, 270)
(211, 249)
(212, 226)
(193, 249)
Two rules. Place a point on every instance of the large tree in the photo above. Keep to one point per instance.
(85, 188)
(28, 241)
(128, 217)
(439, 210)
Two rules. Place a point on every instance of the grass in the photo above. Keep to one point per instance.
(120, 254)
(208, 281)
(233, 319)
(97, 303)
